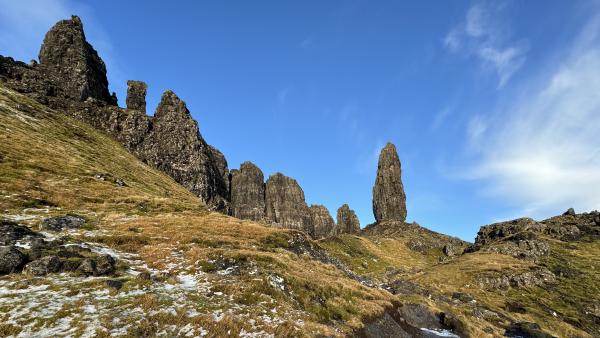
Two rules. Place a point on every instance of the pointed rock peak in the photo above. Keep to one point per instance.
(284, 203)
(248, 166)
(321, 221)
(171, 106)
(248, 192)
(347, 222)
(73, 65)
(389, 199)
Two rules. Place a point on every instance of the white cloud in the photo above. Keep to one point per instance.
(543, 152)
(480, 35)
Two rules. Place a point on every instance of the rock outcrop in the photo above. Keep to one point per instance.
(284, 203)
(73, 64)
(347, 222)
(175, 146)
(136, 95)
(389, 200)
(248, 192)
(322, 224)
(71, 78)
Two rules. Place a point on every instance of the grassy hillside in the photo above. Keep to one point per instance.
(211, 274)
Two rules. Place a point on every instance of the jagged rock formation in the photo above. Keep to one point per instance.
(284, 203)
(136, 95)
(347, 222)
(74, 65)
(175, 146)
(322, 224)
(71, 77)
(248, 192)
(389, 200)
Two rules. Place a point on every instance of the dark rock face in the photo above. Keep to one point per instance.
(43, 266)
(136, 95)
(322, 223)
(248, 192)
(63, 222)
(347, 222)
(526, 329)
(11, 232)
(389, 200)
(73, 63)
(11, 260)
(175, 146)
(284, 203)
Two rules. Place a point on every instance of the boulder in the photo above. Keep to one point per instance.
(248, 192)
(105, 265)
(569, 212)
(11, 260)
(11, 232)
(136, 95)
(389, 199)
(322, 223)
(63, 222)
(87, 267)
(347, 222)
(72, 64)
(43, 266)
(284, 203)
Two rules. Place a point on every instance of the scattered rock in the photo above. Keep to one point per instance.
(105, 265)
(11, 232)
(419, 315)
(248, 192)
(284, 203)
(463, 297)
(449, 250)
(11, 260)
(87, 267)
(389, 199)
(43, 266)
(145, 275)
(114, 284)
(534, 277)
(347, 222)
(526, 330)
(63, 222)
(136, 95)
(321, 221)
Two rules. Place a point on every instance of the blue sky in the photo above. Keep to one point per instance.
(494, 106)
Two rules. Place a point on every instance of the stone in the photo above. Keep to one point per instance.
(347, 222)
(526, 329)
(322, 223)
(87, 267)
(284, 203)
(136, 95)
(569, 212)
(114, 284)
(72, 63)
(11, 232)
(105, 265)
(248, 192)
(449, 250)
(11, 260)
(175, 146)
(63, 222)
(389, 199)
(43, 266)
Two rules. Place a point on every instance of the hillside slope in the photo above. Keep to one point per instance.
(183, 270)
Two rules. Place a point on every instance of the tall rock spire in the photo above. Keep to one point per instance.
(389, 200)
(284, 203)
(72, 64)
(248, 192)
(347, 222)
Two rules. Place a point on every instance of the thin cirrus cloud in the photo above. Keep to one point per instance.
(543, 152)
(481, 37)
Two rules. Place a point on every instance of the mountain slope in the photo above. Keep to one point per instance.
(183, 270)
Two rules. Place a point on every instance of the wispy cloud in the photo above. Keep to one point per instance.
(481, 35)
(543, 152)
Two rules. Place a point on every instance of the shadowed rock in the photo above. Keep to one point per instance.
(175, 146)
(248, 192)
(284, 203)
(347, 222)
(72, 63)
(389, 200)
(136, 95)
(322, 224)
